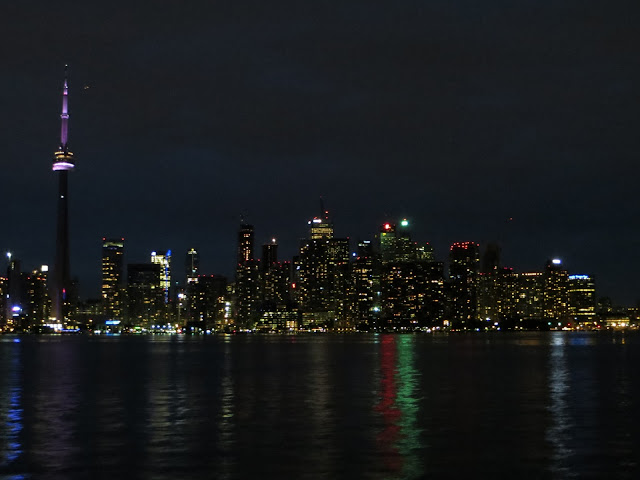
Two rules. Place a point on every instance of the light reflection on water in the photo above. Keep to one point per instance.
(539, 405)
(11, 413)
(558, 432)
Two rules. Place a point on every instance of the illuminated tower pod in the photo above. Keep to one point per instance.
(63, 163)
(113, 277)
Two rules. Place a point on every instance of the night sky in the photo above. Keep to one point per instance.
(458, 115)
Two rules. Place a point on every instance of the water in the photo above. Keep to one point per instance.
(531, 405)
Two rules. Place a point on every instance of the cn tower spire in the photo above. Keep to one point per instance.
(63, 158)
(64, 116)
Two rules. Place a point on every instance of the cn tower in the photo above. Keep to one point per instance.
(63, 163)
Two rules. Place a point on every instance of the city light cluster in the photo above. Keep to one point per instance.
(389, 283)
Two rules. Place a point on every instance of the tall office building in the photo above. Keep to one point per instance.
(4, 286)
(39, 307)
(113, 277)
(556, 297)
(582, 298)
(164, 260)
(245, 243)
(411, 281)
(530, 297)
(464, 260)
(488, 288)
(274, 276)
(145, 296)
(323, 276)
(320, 227)
(16, 299)
(247, 294)
(192, 266)
(208, 301)
(365, 291)
(396, 245)
(63, 163)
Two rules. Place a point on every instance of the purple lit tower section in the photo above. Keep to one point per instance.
(63, 162)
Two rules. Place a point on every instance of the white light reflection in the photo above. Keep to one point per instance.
(558, 432)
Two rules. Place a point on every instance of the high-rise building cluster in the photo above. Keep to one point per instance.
(387, 283)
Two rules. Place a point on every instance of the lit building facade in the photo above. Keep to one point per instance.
(145, 296)
(582, 299)
(464, 263)
(247, 286)
(191, 266)
(209, 295)
(395, 244)
(4, 287)
(113, 278)
(556, 295)
(366, 295)
(530, 300)
(323, 277)
(39, 308)
(164, 261)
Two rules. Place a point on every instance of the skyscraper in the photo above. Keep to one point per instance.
(464, 263)
(192, 265)
(63, 163)
(39, 304)
(145, 296)
(245, 243)
(247, 274)
(556, 296)
(323, 275)
(164, 260)
(582, 298)
(112, 277)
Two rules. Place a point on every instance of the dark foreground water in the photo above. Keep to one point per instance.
(540, 405)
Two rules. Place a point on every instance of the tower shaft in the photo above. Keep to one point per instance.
(62, 275)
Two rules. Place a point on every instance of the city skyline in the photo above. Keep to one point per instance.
(516, 125)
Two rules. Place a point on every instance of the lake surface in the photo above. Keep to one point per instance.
(529, 405)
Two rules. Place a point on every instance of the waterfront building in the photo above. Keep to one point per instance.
(412, 295)
(145, 295)
(4, 287)
(16, 300)
(365, 278)
(556, 299)
(63, 163)
(164, 261)
(464, 262)
(395, 243)
(411, 281)
(320, 228)
(275, 276)
(530, 300)
(322, 277)
(207, 302)
(113, 277)
(247, 285)
(191, 266)
(39, 301)
(581, 293)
